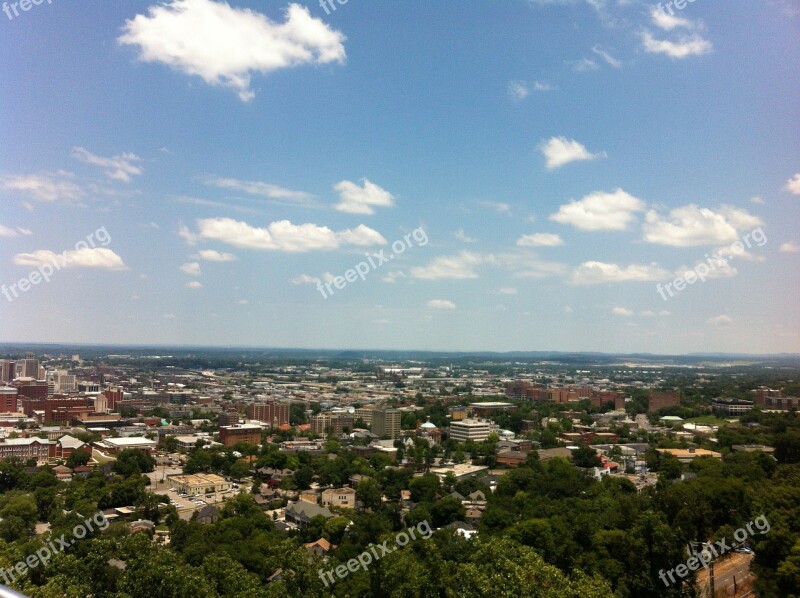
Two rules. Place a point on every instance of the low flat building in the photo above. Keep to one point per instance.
(339, 497)
(477, 430)
(114, 445)
(230, 435)
(688, 455)
(199, 483)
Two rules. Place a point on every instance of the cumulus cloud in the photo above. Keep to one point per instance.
(600, 272)
(43, 187)
(441, 304)
(194, 285)
(540, 240)
(790, 247)
(793, 184)
(191, 268)
(622, 311)
(690, 226)
(355, 199)
(600, 211)
(225, 45)
(118, 168)
(668, 22)
(559, 151)
(284, 236)
(685, 46)
(210, 255)
(100, 258)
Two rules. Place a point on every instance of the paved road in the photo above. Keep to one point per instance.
(732, 575)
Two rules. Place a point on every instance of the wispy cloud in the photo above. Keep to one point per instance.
(44, 187)
(118, 168)
(441, 304)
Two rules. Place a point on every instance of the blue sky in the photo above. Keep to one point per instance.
(557, 159)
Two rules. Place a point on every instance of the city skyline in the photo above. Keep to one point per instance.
(602, 176)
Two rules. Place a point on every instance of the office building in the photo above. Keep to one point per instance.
(272, 413)
(230, 435)
(476, 430)
(386, 423)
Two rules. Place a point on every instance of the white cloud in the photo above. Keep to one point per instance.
(285, 236)
(194, 285)
(243, 302)
(690, 226)
(687, 45)
(540, 240)
(6, 231)
(258, 188)
(720, 320)
(100, 258)
(225, 45)
(559, 151)
(305, 279)
(393, 276)
(187, 235)
(622, 311)
(43, 187)
(118, 168)
(463, 237)
(600, 211)
(584, 65)
(381, 322)
(507, 291)
(668, 22)
(543, 86)
(211, 255)
(498, 206)
(790, 247)
(651, 314)
(793, 184)
(355, 199)
(441, 304)
(518, 90)
(758, 200)
(600, 272)
(607, 57)
(190, 268)
(457, 267)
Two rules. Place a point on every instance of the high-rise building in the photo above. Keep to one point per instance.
(8, 399)
(335, 423)
(228, 418)
(8, 370)
(270, 412)
(386, 422)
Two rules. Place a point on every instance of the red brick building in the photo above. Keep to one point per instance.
(270, 412)
(662, 399)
